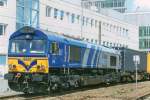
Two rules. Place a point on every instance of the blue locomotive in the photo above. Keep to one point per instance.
(41, 61)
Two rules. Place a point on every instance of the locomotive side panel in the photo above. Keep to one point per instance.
(57, 54)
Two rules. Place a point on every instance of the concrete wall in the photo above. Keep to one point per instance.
(8, 17)
(111, 28)
(138, 18)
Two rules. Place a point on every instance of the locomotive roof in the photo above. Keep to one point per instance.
(84, 44)
(60, 38)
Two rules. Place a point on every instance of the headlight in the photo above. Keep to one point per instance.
(41, 68)
(12, 67)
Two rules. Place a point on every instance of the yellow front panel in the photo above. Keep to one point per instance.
(148, 63)
(28, 64)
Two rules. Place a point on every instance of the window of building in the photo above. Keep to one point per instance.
(92, 40)
(144, 43)
(119, 4)
(78, 18)
(61, 15)
(48, 11)
(83, 20)
(73, 18)
(54, 48)
(115, 4)
(95, 23)
(144, 31)
(96, 41)
(110, 44)
(74, 54)
(2, 60)
(107, 44)
(27, 13)
(126, 32)
(110, 27)
(68, 16)
(92, 22)
(149, 31)
(103, 43)
(3, 2)
(35, 4)
(87, 20)
(102, 5)
(87, 40)
(55, 13)
(120, 30)
(2, 29)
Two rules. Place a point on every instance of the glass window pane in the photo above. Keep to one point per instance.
(19, 25)
(61, 15)
(20, 14)
(1, 3)
(37, 46)
(20, 2)
(55, 13)
(35, 4)
(27, 12)
(1, 29)
(73, 18)
(18, 46)
(2, 59)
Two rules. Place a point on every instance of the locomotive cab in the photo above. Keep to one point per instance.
(27, 56)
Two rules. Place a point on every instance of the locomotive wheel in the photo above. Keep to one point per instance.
(55, 87)
(67, 86)
(13, 86)
(77, 84)
(123, 79)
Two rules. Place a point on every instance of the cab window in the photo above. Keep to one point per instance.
(54, 48)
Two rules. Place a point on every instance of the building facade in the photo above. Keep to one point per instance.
(54, 15)
(141, 19)
(118, 5)
(7, 25)
(27, 13)
(86, 24)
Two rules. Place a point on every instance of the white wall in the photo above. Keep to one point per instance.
(8, 17)
(138, 18)
(111, 35)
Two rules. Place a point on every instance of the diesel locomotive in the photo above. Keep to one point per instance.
(41, 61)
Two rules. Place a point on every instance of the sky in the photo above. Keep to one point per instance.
(142, 5)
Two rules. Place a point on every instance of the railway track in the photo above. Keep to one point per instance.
(54, 94)
(144, 97)
(58, 94)
(23, 97)
(10, 96)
